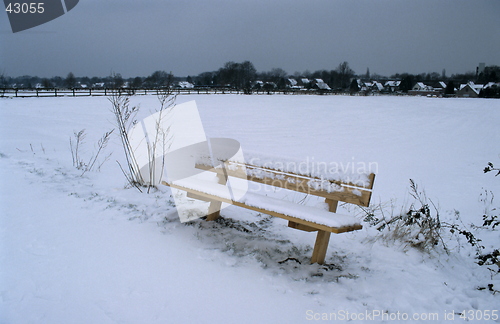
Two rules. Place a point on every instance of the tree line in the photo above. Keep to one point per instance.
(243, 76)
(159, 79)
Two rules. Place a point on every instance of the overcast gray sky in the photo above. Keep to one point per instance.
(138, 37)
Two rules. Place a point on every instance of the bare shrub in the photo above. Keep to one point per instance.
(75, 148)
(156, 145)
(92, 163)
(491, 220)
(125, 119)
(420, 227)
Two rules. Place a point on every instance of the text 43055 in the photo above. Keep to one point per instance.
(32, 7)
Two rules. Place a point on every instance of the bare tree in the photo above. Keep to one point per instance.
(46, 83)
(345, 74)
(238, 75)
(3, 81)
(159, 80)
(70, 81)
(278, 76)
(115, 81)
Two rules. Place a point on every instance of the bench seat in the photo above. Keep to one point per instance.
(310, 216)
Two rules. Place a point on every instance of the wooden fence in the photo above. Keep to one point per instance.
(26, 93)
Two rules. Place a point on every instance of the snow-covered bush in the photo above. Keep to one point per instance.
(491, 221)
(420, 227)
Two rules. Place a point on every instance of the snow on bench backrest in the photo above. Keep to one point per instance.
(355, 188)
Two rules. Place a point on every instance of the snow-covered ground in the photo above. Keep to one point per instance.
(84, 249)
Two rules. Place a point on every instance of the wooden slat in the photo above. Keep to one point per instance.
(300, 184)
(250, 166)
(194, 196)
(332, 205)
(336, 230)
(301, 227)
(371, 177)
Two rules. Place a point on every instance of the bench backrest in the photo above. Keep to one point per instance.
(333, 188)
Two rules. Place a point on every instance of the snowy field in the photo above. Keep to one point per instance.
(85, 249)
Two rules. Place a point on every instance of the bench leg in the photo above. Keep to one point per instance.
(214, 210)
(320, 247)
(322, 238)
(214, 207)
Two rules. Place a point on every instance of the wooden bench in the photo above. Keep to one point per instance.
(301, 217)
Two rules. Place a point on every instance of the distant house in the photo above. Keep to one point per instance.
(441, 85)
(469, 90)
(185, 85)
(437, 88)
(422, 89)
(392, 86)
(267, 86)
(420, 86)
(370, 86)
(320, 85)
(292, 83)
(491, 85)
(377, 86)
(270, 86)
(304, 82)
(491, 90)
(361, 85)
(258, 85)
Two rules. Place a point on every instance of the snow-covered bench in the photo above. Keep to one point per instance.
(333, 189)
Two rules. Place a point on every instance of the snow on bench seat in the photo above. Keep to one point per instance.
(307, 215)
